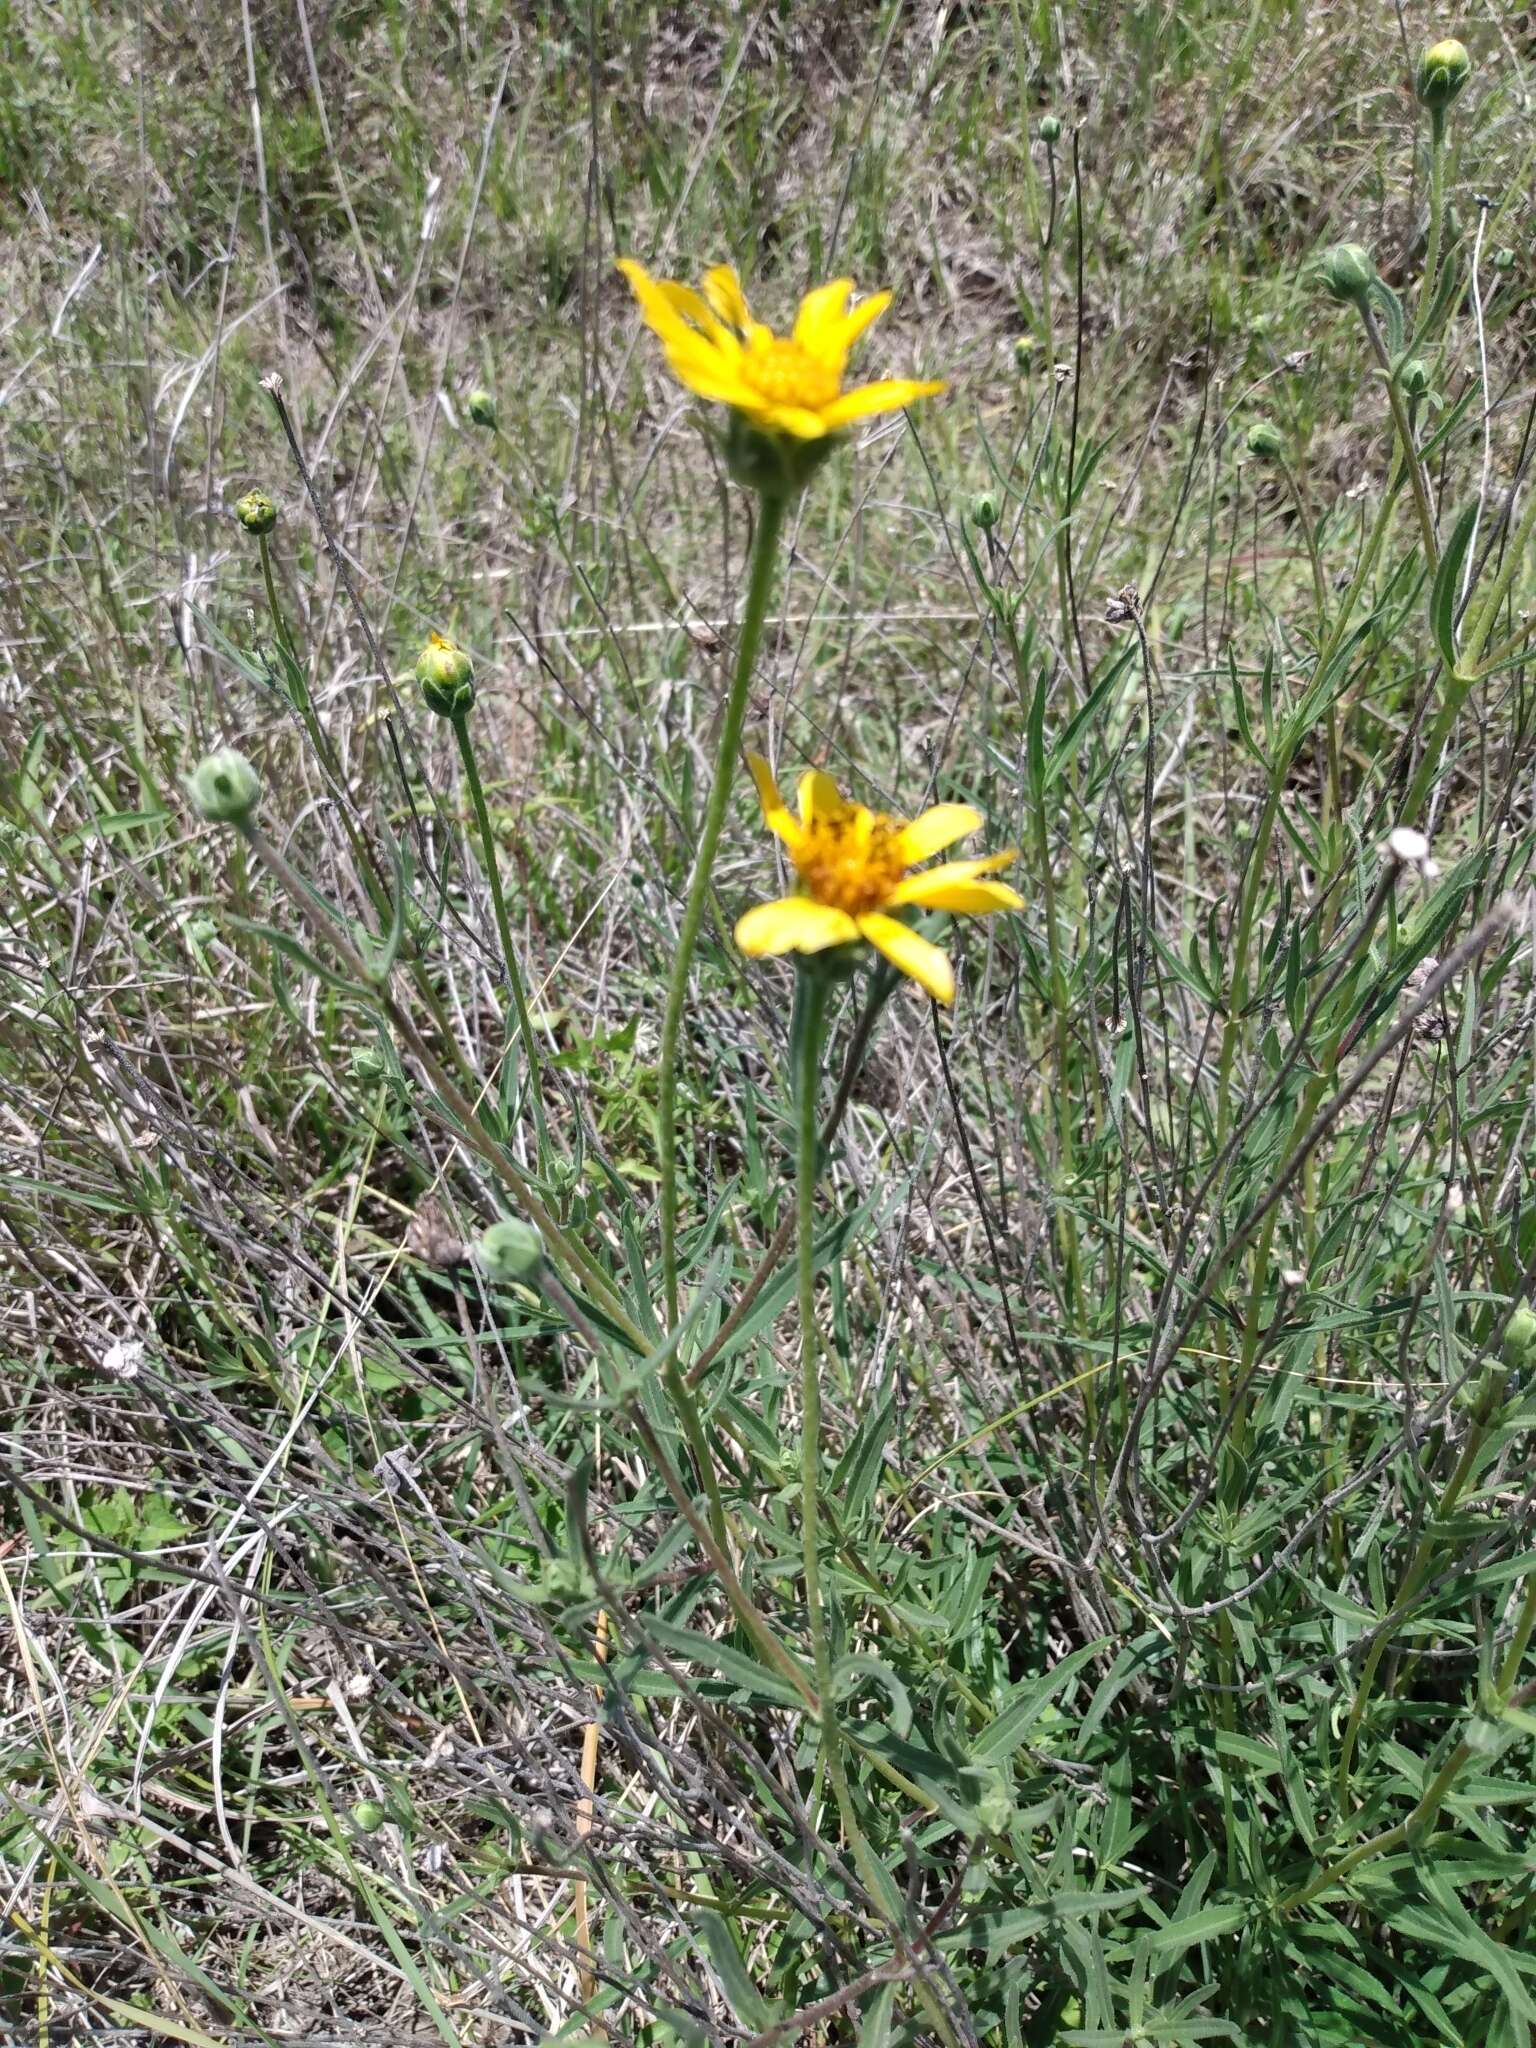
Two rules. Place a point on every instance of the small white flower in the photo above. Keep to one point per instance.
(124, 1359)
(1410, 849)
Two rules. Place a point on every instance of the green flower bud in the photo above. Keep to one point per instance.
(1266, 443)
(1050, 128)
(447, 677)
(1024, 351)
(1413, 377)
(1481, 1396)
(512, 1250)
(564, 1582)
(1442, 71)
(1519, 1346)
(369, 1816)
(1504, 260)
(984, 511)
(995, 1809)
(367, 1064)
(256, 512)
(1347, 273)
(481, 407)
(224, 787)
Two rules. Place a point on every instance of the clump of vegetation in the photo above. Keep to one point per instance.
(909, 1429)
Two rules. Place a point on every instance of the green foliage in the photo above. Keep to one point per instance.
(432, 1630)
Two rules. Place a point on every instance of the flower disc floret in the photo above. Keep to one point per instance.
(856, 869)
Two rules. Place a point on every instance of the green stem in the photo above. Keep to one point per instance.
(1418, 1570)
(463, 1117)
(1304, 516)
(811, 1006)
(1510, 1670)
(1249, 888)
(1456, 692)
(771, 511)
(1410, 453)
(492, 866)
(1480, 621)
(811, 990)
(370, 871)
(1394, 1837)
(304, 705)
(1436, 209)
(278, 621)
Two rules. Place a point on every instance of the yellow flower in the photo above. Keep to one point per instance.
(853, 867)
(782, 384)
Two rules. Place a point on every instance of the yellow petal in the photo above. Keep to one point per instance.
(722, 288)
(914, 956)
(938, 827)
(658, 310)
(865, 400)
(796, 420)
(820, 320)
(819, 796)
(965, 899)
(776, 815)
(864, 315)
(684, 300)
(950, 874)
(700, 366)
(794, 924)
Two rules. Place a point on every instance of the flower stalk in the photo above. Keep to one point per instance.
(765, 544)
(459, 720)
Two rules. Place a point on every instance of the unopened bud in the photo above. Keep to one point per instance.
(1442, 71)
(1266, 443)
(1023, 351)
(512, 1250)
(1519, 1346)
(224, 787)
(1504, 259)
(481, 407)
(447, 677)
(984, 511)
(1414, 377)
(368, 1816)
(1347, 273)
(1050, 128)
(256, 512)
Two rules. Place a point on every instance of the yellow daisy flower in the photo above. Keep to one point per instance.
(853, 865)
(782, 384)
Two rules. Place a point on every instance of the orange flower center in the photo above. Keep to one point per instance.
(851, 859)
(783, 373)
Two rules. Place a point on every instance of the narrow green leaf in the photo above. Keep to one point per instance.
(1447, 586)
